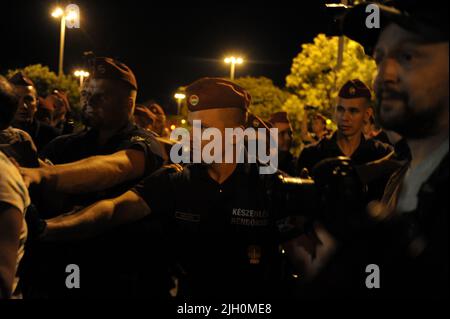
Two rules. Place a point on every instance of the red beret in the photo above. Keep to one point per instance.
(355, 89)
(156, 109)
(19, 79)
(108, 68)
(279, 117)
(216, 93)
(142, 110)
(321, 117)
(256, 122)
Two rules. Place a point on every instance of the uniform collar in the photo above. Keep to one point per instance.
(363, 144)
(242, 169)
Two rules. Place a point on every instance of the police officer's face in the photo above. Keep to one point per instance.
(219, 119)
(104, 103)
(351, 114)
(284, 136)
(412, 83)
(28, 103)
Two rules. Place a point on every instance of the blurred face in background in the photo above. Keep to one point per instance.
(28, 104)
(59, 114)
(285, 136)
(318, 126)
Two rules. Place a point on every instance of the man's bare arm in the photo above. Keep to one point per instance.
(97, 218)
(92, 174)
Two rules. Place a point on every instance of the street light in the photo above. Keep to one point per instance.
(82, 75)
(70, 16)
(179, 97)
(233, 61)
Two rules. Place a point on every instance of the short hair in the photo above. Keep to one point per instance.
(8, 103)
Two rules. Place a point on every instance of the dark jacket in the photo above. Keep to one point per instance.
(411, 272)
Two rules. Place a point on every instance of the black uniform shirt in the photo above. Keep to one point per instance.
(224, 236)
(367, 151)
(74, 147)
(112, 261)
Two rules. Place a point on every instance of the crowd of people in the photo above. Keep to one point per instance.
(108, 198)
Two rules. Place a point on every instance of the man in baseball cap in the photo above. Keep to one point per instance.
(411, 50)
(427, 20)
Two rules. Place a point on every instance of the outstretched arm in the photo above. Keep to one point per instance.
(97, 218)
(92, 174)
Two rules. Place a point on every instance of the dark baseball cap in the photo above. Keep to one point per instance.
(429, 20)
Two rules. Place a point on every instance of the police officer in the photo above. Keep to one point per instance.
(216, 215)
(351, 114)
(112, 153)
(411, 51)
(25, 119)
(103, 161)
(286, 161)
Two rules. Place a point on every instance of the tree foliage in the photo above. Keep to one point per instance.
(267, 98)
(316, 80)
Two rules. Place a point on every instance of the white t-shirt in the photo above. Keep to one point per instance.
(414, 178)
(14, 192)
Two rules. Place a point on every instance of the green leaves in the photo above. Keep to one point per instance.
(314, 76)
(267, 98)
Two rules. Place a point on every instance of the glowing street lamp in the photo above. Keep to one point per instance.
(179, 97)
(82, 75)
(233, 61)
(71, 15)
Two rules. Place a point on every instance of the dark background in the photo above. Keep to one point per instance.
(167, 44)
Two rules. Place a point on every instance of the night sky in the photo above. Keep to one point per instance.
(166, 46)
